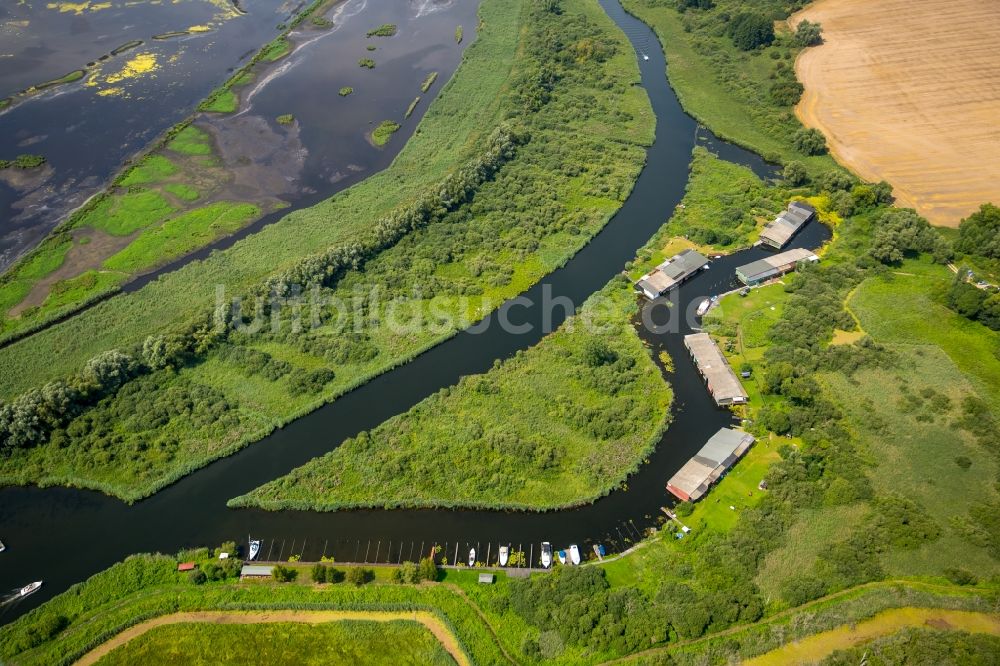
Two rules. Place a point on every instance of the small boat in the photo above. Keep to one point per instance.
(254, 549)
(504, 554)
(546, 554)
(703, 307)
(574, 553)
(472, 557)
(29, 588)
(562, 556)
(599, 551)
(645, 57)
(2, 547)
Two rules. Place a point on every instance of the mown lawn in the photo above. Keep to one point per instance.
(345, 642)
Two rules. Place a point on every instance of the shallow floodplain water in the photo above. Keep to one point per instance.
(87, 128)
(63, 535)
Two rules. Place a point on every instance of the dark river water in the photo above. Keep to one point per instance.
(63, 535)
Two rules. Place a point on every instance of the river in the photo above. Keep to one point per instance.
(63, 535)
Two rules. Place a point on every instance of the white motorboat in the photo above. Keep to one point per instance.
(30, 588)
(574, 553)
(472, 557)
(562, 556)
(254, 549)
(546, 554)
(2, 547)
(703, 307)
(504, 554)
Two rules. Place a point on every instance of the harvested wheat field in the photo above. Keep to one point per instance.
(908, 91)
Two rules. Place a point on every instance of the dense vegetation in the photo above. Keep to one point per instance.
(581, 411)
(479, 234)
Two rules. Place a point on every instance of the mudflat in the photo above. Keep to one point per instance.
(909, 91)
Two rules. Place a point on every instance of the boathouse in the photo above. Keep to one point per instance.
(779, 231)
(706, 467)
(719, 376)
(255, 571)
(671, 273)
(768, 268)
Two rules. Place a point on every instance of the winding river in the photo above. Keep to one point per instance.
(63, 535)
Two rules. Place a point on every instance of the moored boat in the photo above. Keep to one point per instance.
(562, 556)
(254, 549)
(574, 554)
(599, 551)
(2, 547)
(703, 307)
(546, 554)
(504, 554)
(472, 557)
(29, 588)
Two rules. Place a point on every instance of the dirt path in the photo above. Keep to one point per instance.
(429, 620)
(909, 91)
(816, 647)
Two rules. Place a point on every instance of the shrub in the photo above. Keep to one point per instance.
(684, 509)
(427, 569)
(809, 141)
(961, 576)
(808, 33)
(197, 577)
(359, 576)
(318, 573)
(795, 173)
(284, 574)
(979, 234)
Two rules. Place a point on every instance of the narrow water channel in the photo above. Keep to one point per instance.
(63, 535)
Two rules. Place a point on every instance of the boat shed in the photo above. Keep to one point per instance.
(671, 273)
(256, 571)
(779, 231)
(706, 467)
(719, 376)
(768, 268)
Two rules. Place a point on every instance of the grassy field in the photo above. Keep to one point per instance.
(581, 411)
(348, 642)
(725, 88)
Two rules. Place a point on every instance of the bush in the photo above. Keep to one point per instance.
(798, 591)
(809, 141)
(684, 509)
(197, 577)
(318, 573)
(428, 569)
(795, 173)
(284, 574)
(808, 33)
(961, 576)
(359, 576)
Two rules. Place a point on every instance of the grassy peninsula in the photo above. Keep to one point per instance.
(581, 411)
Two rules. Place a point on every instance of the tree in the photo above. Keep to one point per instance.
(359, 576)
(751, 30)
(809, 141)
(284, 574)
(836, 180)
(979, 233)
(842, 203)
(808, 33)
(795, 173)
(428, 569)
(318, 573)
(899, 232)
